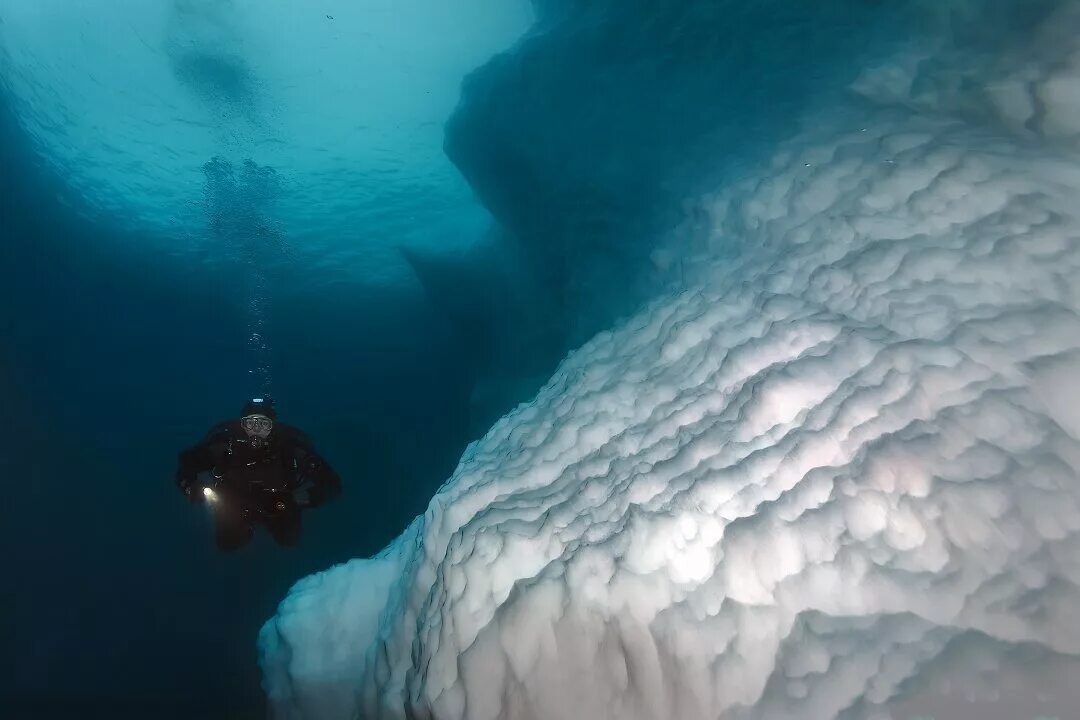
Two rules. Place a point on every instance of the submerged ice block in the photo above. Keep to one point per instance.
(801, 487)
(836, 474)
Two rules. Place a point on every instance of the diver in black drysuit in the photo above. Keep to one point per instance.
(256, 470)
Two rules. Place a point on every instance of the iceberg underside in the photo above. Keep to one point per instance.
(833, 474)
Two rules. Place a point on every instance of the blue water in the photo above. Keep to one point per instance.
(429, 251)
(111, 361)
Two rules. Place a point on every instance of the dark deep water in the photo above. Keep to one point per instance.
(110, 363)
(584, 144)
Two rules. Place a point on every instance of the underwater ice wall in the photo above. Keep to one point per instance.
(835, 476)
(586, 140)
(128, 100)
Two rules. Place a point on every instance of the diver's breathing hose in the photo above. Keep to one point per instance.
(239, 203)
(258, 312)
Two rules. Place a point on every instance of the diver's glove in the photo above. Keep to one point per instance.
(185, 483)
(188, 486)
(310, 494)
(308, 498)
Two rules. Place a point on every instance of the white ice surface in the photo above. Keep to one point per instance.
(127, 99)
(836, 477)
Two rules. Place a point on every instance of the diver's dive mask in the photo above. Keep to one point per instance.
(257, 427)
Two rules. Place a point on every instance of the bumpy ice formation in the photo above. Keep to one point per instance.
(837, 469)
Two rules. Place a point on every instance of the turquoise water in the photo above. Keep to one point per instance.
(113, 361)
(439, 201)
(133, 282)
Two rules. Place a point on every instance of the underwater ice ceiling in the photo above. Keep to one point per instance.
(835, 475)
(346, 101)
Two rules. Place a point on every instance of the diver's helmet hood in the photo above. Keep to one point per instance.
(260, 406)
(258, 420)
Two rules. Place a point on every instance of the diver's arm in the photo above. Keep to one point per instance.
(327, 485)
(200, 458)
(189, 464)
(312, 468)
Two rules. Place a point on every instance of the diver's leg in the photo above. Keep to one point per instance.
(284, 525)
(231, 530)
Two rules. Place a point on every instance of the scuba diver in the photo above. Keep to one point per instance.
(256, 470)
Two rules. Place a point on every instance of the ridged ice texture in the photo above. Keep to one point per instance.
(781, 494)
(799, 489)
(1029, 88)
